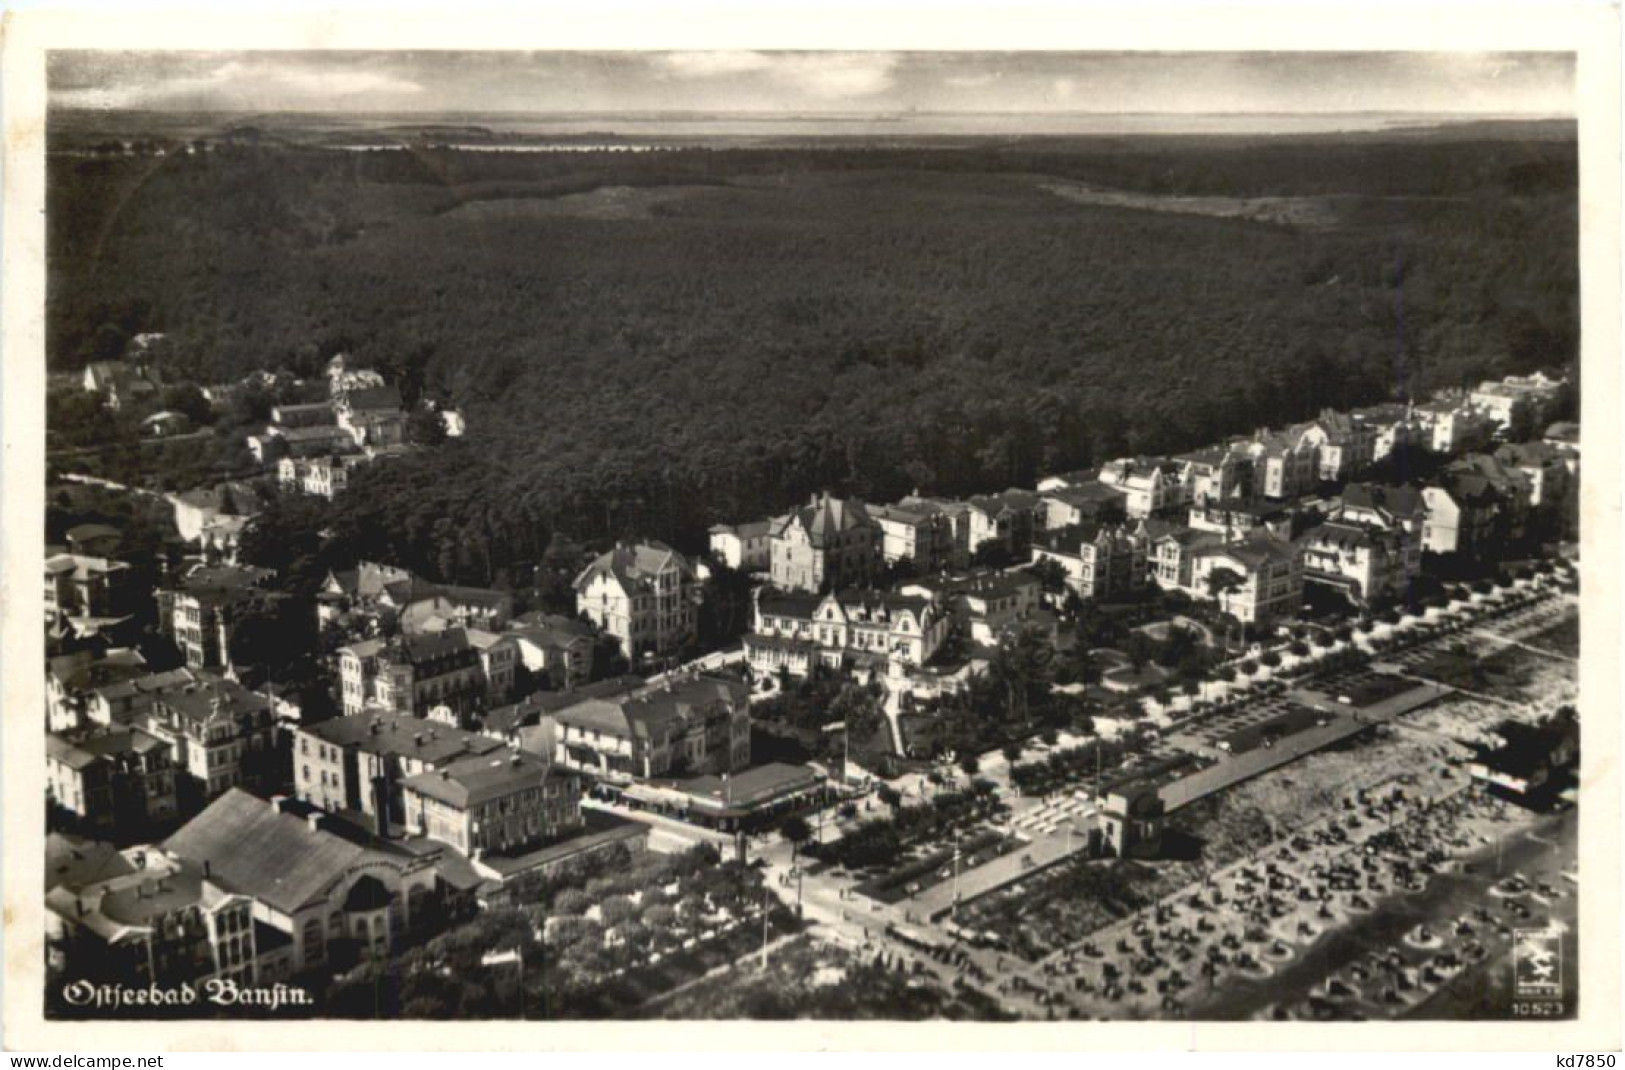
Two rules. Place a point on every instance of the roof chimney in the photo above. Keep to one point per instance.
(276, 803)
(207, 869)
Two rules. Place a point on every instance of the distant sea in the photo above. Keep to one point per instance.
(583, 131)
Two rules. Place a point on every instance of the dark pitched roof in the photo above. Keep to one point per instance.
(754, 786)
(375, 398)
(983, 583)
(1014, 500)
(211, 697)
(1086, 494)
(472, 781)
(826, 516)
(779, 603)
(550, 638)
(82, 749)
(902, 514)
(869, 601)
(635, 565)
(256, 849)
(1254, 551)
(1401, 501)
(1337, 534)
(395, 735)
(649, 712)
(83, 669)
(74, 862)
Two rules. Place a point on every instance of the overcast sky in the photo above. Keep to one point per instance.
(1181, 83)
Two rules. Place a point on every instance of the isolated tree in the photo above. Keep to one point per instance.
(797, 831)
(1219, 582)
(860, 713)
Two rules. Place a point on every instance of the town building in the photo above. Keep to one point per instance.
(753, 799)
(924, 537)
(1089, 502)
(1394, 427)
(499, 662)
(501, 802)
(305, 414)
(683, 727)
(328, 899)
(1216, 474)
(196, 510)
(83, 587)
(1257, 579)
(744, 547)
(793, 631)
(1171, 552)
(1365, 563)
(165, 424)
(1151, 486)
(342, 379)
(829, 543)
(222, 735)
(1526, 398)
(1235, 517)
(123, 702)
(373, 415)
(93, 540)
(984, 603)
(70, 679)
(413, 673)
(1344, 444)
(1285, 465)
(121, 383)
(1549, 470)
(356, 764)
(369, 593)
(436, 606)
(646, 595)
(307, 442)
(556, 651)
(1009, 520)
(1449, 426)
(201, 613)
(1400, 512)
(1510, 489)
(120, 781)
(324, 476)
(1564, 434)
(1098, 561)
(155, 920)
(388, 597)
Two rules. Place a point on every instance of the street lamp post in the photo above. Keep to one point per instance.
(765, 894)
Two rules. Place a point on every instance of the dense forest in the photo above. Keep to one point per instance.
(648, 343)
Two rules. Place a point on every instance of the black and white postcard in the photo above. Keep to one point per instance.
(1083, 523)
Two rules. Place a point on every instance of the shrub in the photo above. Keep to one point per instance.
(571, 901)
(616, 909)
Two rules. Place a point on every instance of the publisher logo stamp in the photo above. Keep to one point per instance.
(1537, 964)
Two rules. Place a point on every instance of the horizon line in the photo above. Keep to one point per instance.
(888, 114)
